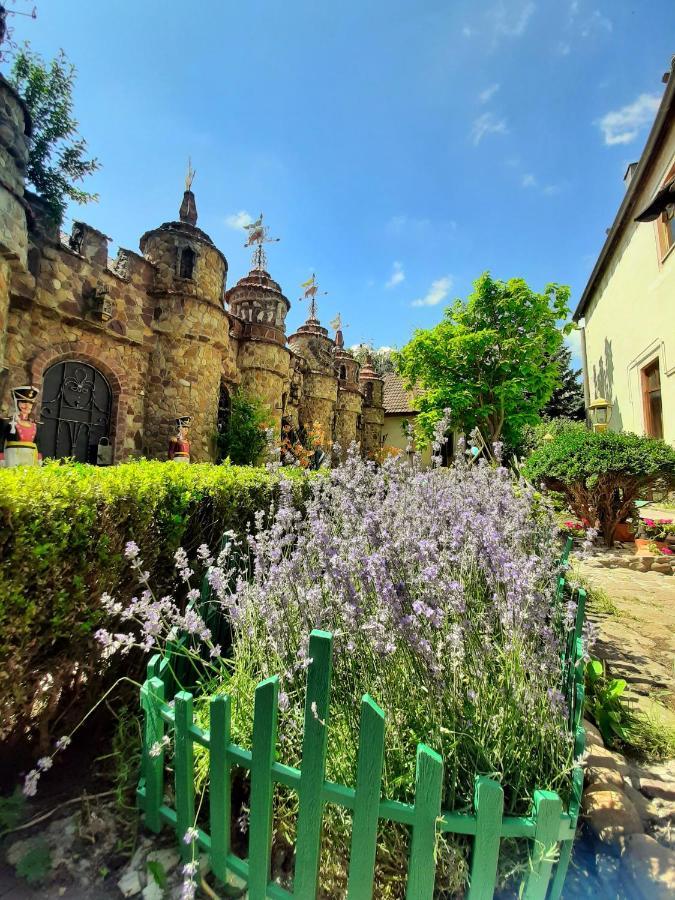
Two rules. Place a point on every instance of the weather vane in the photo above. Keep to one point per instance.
(310, 290)
(337, 327)
(190, 176)
(258, 235)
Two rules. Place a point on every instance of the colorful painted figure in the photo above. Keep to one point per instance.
(179, 446)
(18, 436)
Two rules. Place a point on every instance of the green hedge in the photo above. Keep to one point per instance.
(62, 534)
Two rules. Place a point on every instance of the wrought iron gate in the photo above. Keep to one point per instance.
(75, 412)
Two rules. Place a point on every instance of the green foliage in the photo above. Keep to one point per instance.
(538, 434)
(62, 534)
(34, 865)
(56, 160)
(158, 873)
(601, 474)
(567, 400)
(243, 438)
(620, 726)
(12, 809)
(491, 360)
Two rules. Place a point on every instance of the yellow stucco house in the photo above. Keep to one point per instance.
(627, 310)
(399, 410)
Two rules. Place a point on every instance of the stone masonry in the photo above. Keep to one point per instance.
(158, 332)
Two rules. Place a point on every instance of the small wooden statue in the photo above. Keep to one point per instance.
(179, 446)
(17, 437)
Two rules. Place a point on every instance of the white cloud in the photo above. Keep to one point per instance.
(397, 275)
(488, 93)
(488, 123)
(596, 22)
(528, 180)
(623, 125)
(563, 48)
(467, 31)
(438, 291)
(549, 190)
(512, 21)
(239, 220)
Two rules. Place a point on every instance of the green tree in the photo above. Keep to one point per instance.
(567, 400)
(242, 437)
(491, 360)
(57, 155)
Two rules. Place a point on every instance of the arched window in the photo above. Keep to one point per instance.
(187, 262)
(343, 372)
(369, 392)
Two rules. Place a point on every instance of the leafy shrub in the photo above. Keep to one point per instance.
(602, 474)
(62, 533)
(243, 438)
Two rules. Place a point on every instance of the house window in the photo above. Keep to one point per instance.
(651, 400)
(668, 228)
(343, 372)
(666, 221)
(187, 262)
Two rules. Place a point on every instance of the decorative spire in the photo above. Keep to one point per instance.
(258, 235)
(336, 325)
(310, 290)
(188, 208)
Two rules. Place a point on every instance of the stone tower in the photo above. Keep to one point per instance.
(318, 401)
(192, 331)
(263, 359)
(14, 140)
(349, 397)
(372, 388)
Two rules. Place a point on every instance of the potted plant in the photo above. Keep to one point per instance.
(655, 537)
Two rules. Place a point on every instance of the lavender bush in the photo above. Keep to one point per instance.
(438, 587)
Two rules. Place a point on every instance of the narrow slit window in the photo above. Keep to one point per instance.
(187, 262)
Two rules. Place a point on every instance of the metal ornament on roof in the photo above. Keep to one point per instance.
(258, 235)
(310, 290)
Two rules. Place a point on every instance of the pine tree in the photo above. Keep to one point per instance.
(567, 400)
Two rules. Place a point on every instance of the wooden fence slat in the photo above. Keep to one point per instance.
(152, 696)
(315, 739)
(428, 789)
(184, 771)
(547, 812)
(489, 804)
(366, 801)
(262, 786)
(220, 784)
(581, 614)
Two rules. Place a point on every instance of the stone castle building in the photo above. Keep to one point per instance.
(120, 348)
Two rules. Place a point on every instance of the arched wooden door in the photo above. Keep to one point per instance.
(75, 411)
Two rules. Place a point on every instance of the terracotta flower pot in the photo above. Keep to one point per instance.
(624, 532)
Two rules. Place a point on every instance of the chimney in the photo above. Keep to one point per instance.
(630, 171)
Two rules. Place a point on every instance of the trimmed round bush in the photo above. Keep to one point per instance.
(602, 474)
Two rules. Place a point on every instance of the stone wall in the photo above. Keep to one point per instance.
(264, 372)
(155, 325)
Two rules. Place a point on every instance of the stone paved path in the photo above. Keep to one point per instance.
(638, 639)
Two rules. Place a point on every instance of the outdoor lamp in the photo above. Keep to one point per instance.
(600, 411)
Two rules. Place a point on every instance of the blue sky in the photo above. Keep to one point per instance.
(397, 148)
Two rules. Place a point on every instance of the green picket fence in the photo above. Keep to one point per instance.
(549, 828)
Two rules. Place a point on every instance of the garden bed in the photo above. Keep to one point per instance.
(441, 593)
